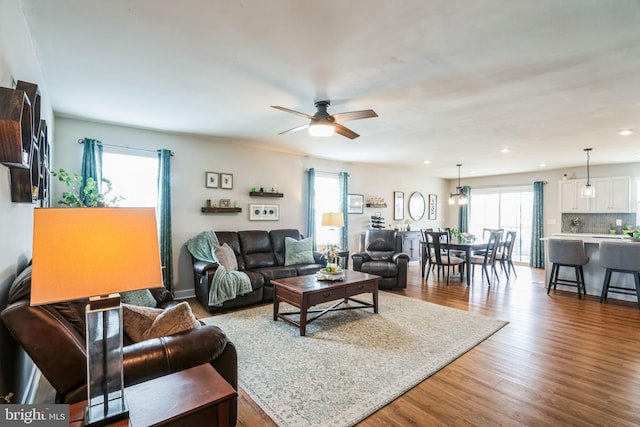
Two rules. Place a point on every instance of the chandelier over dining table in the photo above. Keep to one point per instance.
(459, 197)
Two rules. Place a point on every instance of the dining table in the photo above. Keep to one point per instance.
(456, 244)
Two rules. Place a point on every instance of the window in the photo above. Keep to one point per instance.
(134, 177)
(327, 189)
(510, 208)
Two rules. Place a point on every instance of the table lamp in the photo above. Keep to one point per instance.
(332, 219)
(96, 253)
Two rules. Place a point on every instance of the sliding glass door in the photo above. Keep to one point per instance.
(510, 208)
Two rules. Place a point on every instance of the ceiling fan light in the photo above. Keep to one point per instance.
(321, 129)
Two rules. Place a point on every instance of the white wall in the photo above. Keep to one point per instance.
(551, 189)
(251, 167)
(17, 62)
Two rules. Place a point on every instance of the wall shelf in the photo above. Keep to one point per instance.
(221, 210)
(264, 194)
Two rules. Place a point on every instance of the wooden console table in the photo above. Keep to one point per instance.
(194, 397)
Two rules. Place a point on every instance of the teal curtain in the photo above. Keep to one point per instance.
(163, 213)
(311, 205)
(344, 191)
(91, 163)
(465, 212)
(537, 230)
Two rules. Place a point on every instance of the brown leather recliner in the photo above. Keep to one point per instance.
(383, 256)
(54, 337)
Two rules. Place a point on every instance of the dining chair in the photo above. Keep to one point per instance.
(486, 233)
(505, 252)
(488, 259)
(439, 254)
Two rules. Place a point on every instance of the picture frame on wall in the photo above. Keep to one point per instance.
(262, 212)
(226, 181)
(225, 203)
(433, 206)
(398, 205)
(211, 179)
(355, 203)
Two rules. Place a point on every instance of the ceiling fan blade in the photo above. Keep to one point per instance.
(353, 115)
(295, 129)
(297, 113)
(345, 131)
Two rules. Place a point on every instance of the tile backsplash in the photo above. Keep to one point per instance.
(598, 223)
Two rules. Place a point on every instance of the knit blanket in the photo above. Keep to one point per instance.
(226, 285)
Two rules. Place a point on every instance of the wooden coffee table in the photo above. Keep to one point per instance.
(304, 292)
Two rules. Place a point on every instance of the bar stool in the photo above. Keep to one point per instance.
(567, 253)
(620, 258)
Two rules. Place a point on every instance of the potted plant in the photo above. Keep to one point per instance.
(575, 223)
(91, 195)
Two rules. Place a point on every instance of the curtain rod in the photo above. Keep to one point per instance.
(81, 141)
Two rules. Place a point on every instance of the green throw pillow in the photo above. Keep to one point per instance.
(142, 298)
(298, 251)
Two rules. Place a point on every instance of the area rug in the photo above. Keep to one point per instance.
(351, 363)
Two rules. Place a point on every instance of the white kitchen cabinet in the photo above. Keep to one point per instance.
(570, 200)
(613, 195)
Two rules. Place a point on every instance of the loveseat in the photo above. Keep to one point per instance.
(261, 255)
(54, 337)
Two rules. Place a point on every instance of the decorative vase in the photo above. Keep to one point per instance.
(573, 229)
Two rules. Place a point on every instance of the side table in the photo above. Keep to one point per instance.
(194, 397)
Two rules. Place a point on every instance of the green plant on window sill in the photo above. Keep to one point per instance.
(92, 196)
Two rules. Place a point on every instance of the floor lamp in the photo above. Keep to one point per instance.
(95, 253)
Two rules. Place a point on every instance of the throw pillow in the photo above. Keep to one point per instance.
(142, 297)
(144, 323)
(226, 257)
(298, 251)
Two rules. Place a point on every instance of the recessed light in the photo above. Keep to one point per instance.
(505, 150)
(426, 162)
(625, 132)
(543, 165)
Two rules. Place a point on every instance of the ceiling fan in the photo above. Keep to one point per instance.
(323, 124)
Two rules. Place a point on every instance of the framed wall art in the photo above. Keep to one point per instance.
(433, 206)
(355, 203)
(398, 205)
(211, 179)
(259, 212)
(226, 181)
(225, 203)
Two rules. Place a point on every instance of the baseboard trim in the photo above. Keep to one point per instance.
(184, 294)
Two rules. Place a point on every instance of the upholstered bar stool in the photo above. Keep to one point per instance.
(567, 253)
(620, 258)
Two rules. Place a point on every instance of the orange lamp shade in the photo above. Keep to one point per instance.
(332, 219)
(83, 252)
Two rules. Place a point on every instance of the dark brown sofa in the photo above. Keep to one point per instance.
(261, 255)
(54, 337)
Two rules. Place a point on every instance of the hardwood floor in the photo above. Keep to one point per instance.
(561, 361)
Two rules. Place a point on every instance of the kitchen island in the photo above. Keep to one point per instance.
(593, 273)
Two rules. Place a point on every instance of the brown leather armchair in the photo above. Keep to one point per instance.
(54, 337)
(383, 256)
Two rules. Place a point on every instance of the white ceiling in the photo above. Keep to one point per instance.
(453, 81)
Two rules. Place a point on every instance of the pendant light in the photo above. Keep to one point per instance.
(588, 191)
(459, 197)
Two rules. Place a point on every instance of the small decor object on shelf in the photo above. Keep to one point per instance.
(211, 179)
(225, 203)
(226, 181)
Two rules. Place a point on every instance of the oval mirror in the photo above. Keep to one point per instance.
(417, 206)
